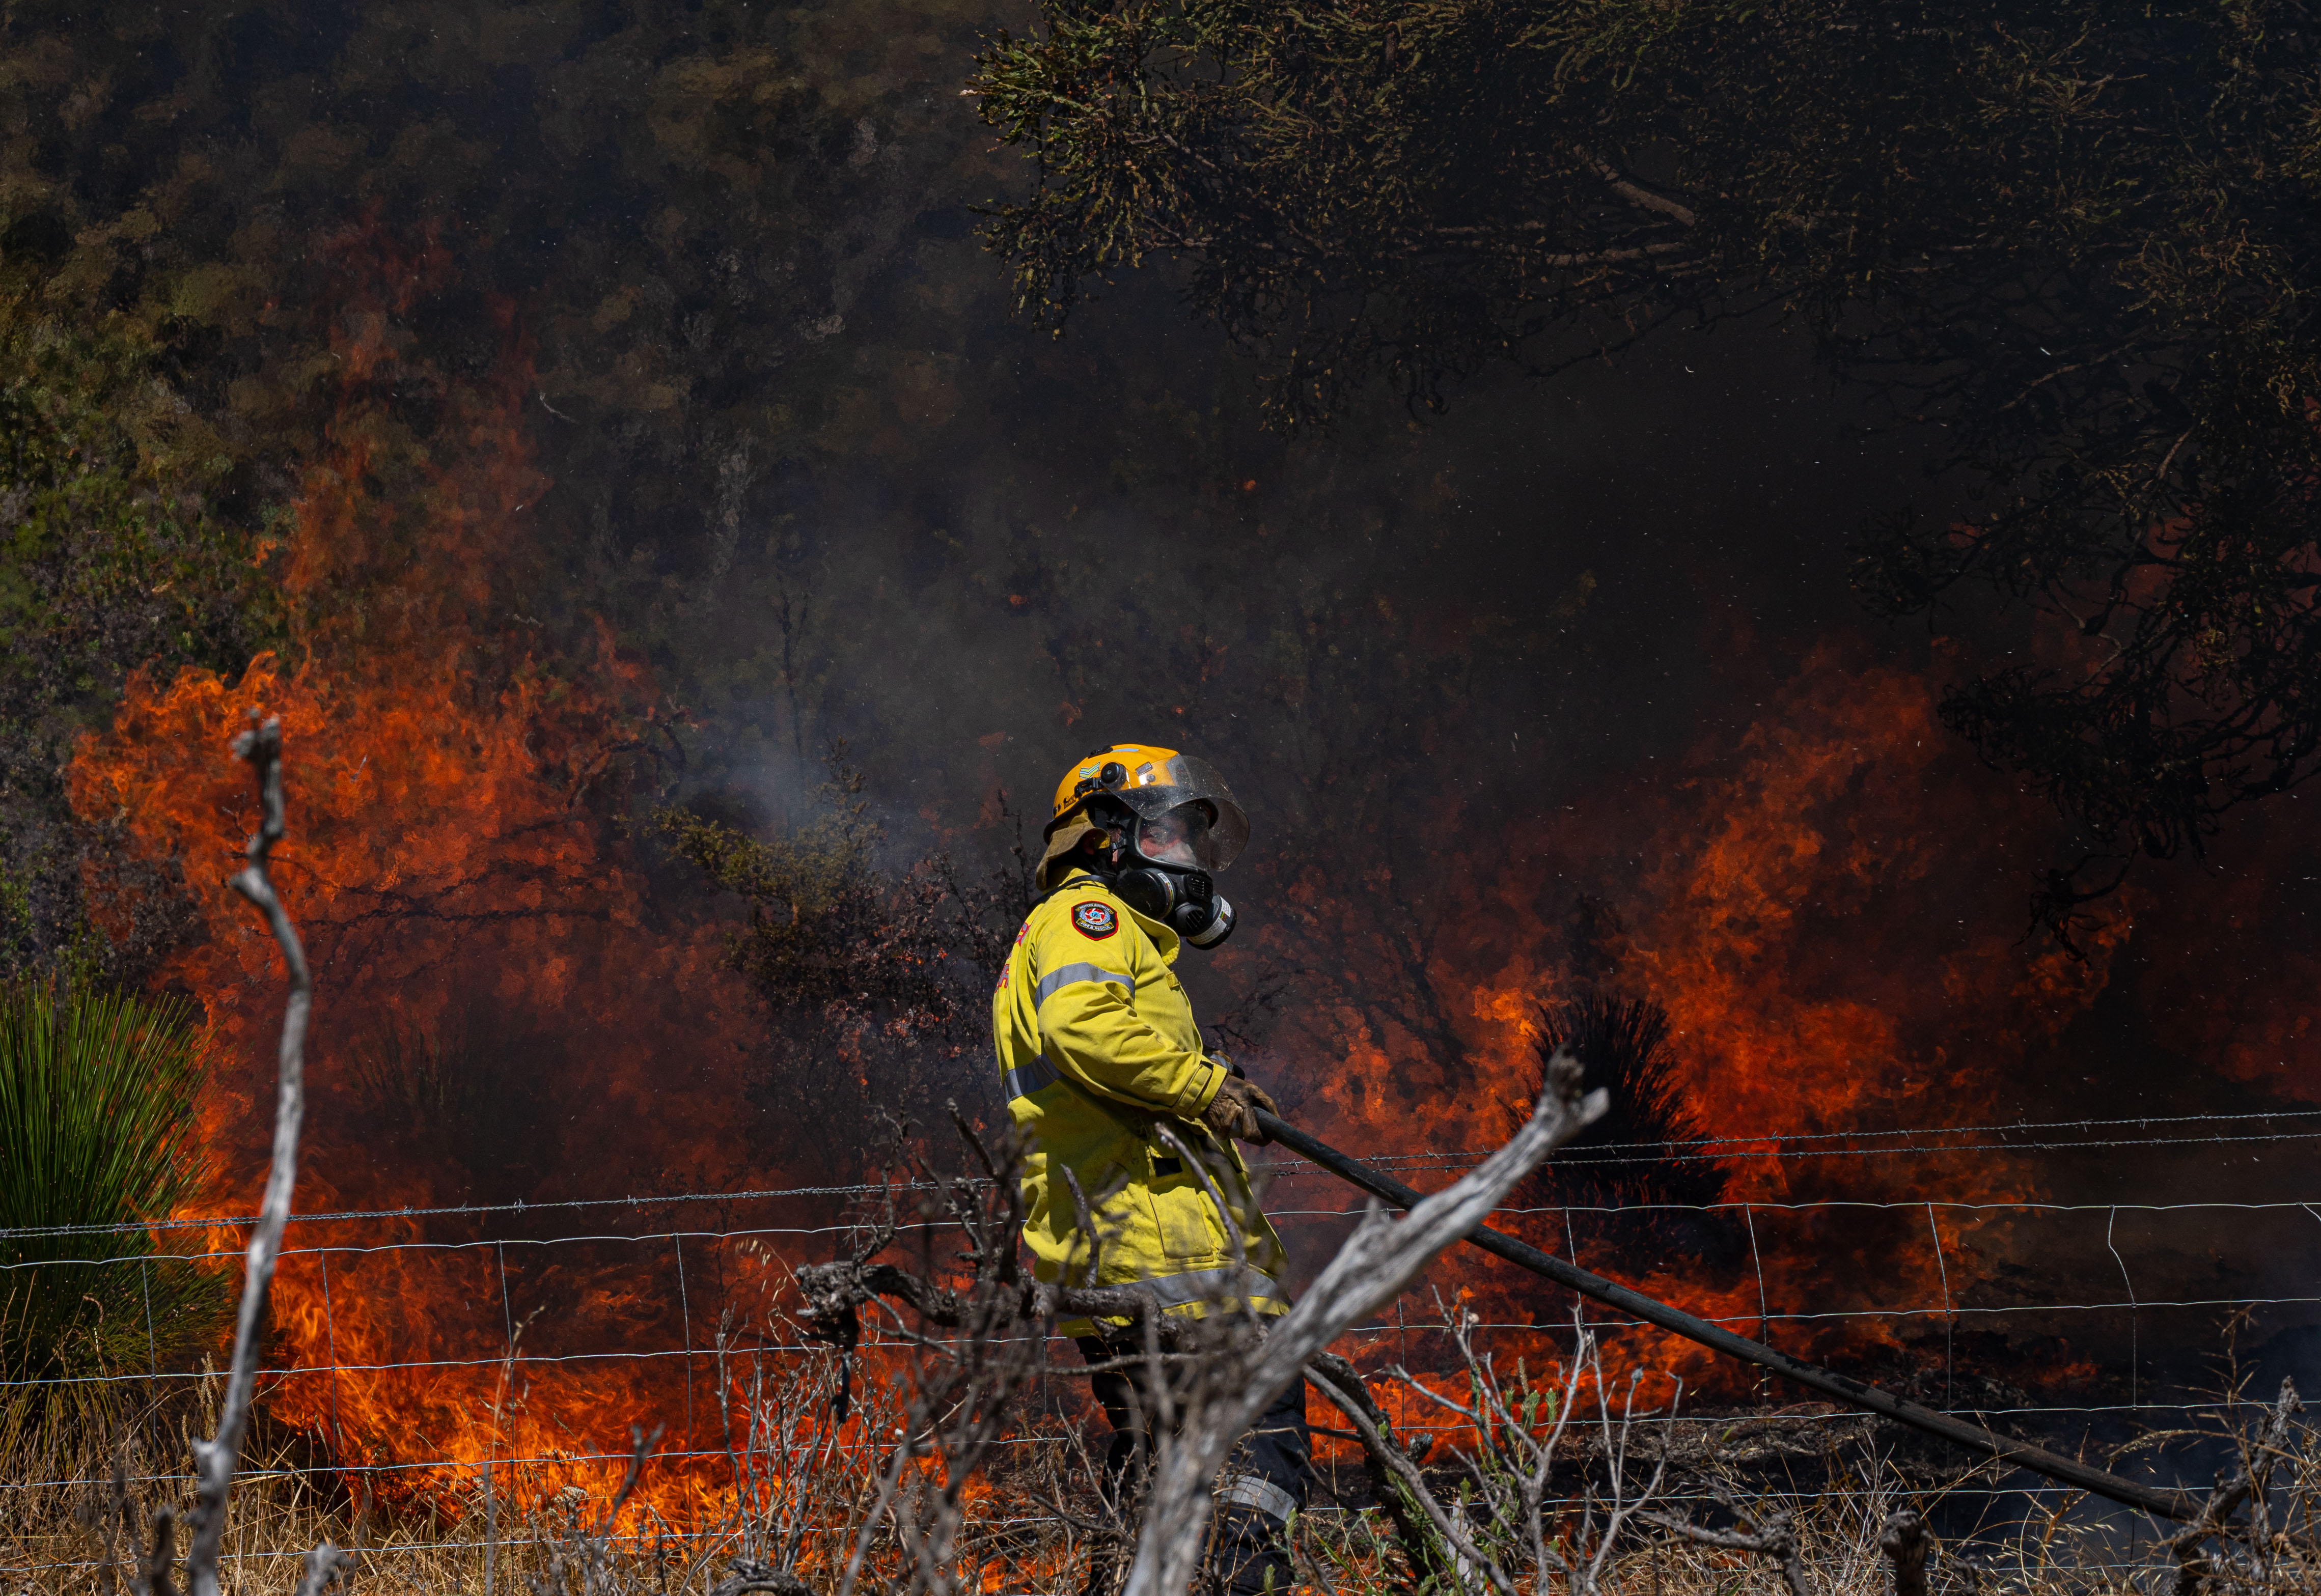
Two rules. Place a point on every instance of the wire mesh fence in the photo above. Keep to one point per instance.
(419, 1344)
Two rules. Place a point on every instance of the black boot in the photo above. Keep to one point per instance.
(1249, 1555)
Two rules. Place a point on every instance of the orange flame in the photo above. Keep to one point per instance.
(1829, 910)
(1823, 963)
(444, 864)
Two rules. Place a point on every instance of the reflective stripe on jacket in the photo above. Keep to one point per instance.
(1098, 1050)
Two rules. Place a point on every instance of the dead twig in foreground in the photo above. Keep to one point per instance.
(2194, 1565)
(1376, 1263)
(1904, 1541)
(1773, 1539)
(214, 1459)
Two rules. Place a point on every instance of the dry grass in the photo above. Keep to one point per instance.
(73, 1512)
(919, 1464)
(1029, 1524)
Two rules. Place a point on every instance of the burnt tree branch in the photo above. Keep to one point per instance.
(2194, 1566)
(1429, 1537)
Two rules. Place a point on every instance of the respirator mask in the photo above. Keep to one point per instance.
(1173, 824)
(1157, 871)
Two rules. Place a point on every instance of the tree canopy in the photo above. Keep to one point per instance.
(256, 255)
(2076, 242)
(109, 560)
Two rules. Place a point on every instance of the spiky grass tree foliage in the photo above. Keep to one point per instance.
(1637, 1152)
(1631, 1190)
(97, 1099)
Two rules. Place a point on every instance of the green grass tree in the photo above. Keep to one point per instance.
(97, 1106)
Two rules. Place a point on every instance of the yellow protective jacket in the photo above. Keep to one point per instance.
(1097, 1048)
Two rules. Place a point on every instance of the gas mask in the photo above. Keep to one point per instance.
(1160, 864)
(1187, 901)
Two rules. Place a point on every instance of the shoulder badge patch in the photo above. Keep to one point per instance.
(1094, 920)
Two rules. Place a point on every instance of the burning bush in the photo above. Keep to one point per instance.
(1636, 1154)
(853, 955)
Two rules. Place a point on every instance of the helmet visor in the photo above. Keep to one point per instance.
(1185, 836)
(1186, 814)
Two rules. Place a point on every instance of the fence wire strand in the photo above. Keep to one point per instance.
(1964, 1300)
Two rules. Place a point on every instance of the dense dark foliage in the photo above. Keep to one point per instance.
(256, 255)
(110, 560)
(607, 195)
(2078, 238)
(856, 955)
(832, 928)
(694, 286)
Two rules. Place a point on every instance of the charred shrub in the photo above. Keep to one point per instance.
(1637, 1178)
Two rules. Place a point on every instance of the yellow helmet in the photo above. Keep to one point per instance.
(1181, 822)
(1151, 781)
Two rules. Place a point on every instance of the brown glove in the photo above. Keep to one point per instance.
(1234, 1111)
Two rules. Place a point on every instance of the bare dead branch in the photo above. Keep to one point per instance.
(2194, 1566)
(640, 1445)
(1623, 1506)
(1428, 1557)
(744, 1575)
(214, 1459)
(1414, 1484)
(324, 1564)
(1634, 194)
(153, 1575)
(1374, 1266)
(116, 1519)
(1774, 1538)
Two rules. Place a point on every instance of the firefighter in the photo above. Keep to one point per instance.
(1103, 1065)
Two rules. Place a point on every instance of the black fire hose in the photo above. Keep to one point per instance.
(2151, 1498)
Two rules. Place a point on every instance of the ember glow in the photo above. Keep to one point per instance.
(1832, 957)
(486, 952)
(599, 410)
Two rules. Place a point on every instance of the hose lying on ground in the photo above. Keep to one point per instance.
(2151, 1499)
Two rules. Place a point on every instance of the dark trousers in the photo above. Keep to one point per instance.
(1266, 1478)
